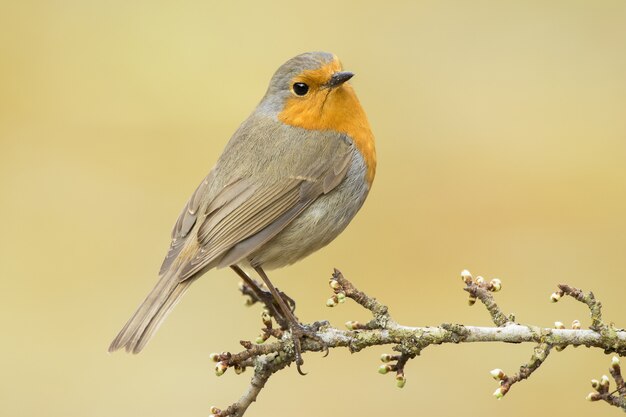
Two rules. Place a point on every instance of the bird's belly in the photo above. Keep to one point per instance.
(319, 223)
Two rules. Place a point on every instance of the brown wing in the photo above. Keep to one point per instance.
(186, 221)
(248, 212)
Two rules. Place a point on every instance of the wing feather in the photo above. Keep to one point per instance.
(185, 222)
(245, 220)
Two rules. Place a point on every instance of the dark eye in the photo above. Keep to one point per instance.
(300, 89)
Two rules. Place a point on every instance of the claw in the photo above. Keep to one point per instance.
(300, 369)
(321, 342)
(326, 351)
(296, 334)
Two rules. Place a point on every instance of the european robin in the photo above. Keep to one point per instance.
(289, 181)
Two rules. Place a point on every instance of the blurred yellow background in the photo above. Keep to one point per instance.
(501, 135)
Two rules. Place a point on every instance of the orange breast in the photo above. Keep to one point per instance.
(338, 110)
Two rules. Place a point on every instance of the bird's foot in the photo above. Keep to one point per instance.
(300, 331)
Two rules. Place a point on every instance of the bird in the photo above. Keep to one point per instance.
(288, 182)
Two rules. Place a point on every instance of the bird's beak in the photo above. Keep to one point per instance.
(339, 78)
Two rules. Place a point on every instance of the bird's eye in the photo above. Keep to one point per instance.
(300, 89)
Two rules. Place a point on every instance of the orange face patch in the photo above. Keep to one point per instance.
(337, 109)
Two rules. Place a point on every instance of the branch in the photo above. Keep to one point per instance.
(269, 358)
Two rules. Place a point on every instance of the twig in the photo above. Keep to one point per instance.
(480, 289)
(344, 288)
(269, 358)
(595, 307)
(539, 356)
(602, 387)
(265, 367)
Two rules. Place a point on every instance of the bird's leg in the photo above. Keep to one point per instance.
(288, 300)
(298, 331)
(264, 297)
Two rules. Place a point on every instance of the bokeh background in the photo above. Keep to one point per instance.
(501, 135)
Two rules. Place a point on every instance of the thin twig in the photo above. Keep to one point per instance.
(264, 369)
(539, 356)
(603, 393)
(595, 307)
(364, 300)
(480, 289)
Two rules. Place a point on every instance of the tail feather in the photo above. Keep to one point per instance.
(146, 320)
(160, 316)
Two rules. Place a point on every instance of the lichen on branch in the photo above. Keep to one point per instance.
(265, 359)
